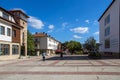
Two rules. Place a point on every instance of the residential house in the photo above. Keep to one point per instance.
(110, 30)
(44, 42)
(13, 33)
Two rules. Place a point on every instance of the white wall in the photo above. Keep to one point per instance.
(0, 13)
(45, 42)
(5, 37)
(53, 44)
(114, 28)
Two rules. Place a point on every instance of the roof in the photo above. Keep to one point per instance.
(40, 35)
(44, 35)
(106, 10)
(6, 11)
(9, 14)
(20, 12)
(11, 22)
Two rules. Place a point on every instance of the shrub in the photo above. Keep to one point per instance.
(94, 55)
(78, 52)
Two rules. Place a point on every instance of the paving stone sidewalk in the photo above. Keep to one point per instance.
(70, 67)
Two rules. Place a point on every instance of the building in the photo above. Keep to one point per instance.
(13, 34)
(44, 42)
(110, 30)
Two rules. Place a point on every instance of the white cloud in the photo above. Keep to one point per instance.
(51, 26)
(80, 30)
(35, 23)
(95, 22)
(32, 21)
(19, 9)
(64, 24)
(87, 21)
(96, 33)
(77, 37)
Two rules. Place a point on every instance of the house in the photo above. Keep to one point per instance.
(13, 34)
(110, 30)
(44, 42)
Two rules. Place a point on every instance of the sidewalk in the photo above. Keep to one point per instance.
(70, 67)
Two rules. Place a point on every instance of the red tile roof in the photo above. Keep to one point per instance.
(40, 35)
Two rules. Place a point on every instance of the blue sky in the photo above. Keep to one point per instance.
(64, 20)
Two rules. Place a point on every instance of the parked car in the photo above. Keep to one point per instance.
(58, 51)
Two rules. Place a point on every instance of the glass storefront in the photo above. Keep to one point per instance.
(15, 49)
(4, 49)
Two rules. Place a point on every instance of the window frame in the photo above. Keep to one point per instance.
(8, 32)
(13, 33)
(107, 31)
(15, 49)
(2, 30)
(4, 49)
(107, 43)
(5, 16)
(107, 20)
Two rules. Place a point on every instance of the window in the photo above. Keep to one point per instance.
(8, 32)
(35, 45)
(107, 43)
(4, 49)
(14, 33)
(2, 30)
(36, 40)
(50, 45)
(6, 16)
(107, 19)
(15, 49)
(23, 37)
(49, 39)
(107, 31)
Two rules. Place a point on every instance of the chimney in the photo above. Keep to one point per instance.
(36, 32)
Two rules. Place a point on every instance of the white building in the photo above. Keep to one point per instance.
(44, 42)
(110, 29)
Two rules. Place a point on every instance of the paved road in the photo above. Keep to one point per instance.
(69, 67)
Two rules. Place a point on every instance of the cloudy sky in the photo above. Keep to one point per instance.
(62, 19)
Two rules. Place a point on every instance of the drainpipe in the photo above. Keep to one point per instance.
(119, 31)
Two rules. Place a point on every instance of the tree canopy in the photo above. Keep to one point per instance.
(72, 46)
(30, 42)
(90, 44)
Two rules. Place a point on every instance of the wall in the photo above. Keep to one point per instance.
(43, 43)
(17, 38)
(11, 56)
(10, 17)
(24, 25)
(52, 44)
(5, 37)
(114, 29)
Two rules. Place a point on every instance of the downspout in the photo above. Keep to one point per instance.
(119, 30)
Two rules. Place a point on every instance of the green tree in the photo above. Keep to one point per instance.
(64, 45)
(72, 46)
(90, 44)
(30, 43)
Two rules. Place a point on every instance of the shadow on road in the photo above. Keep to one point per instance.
(78, 57)
(69, 57)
